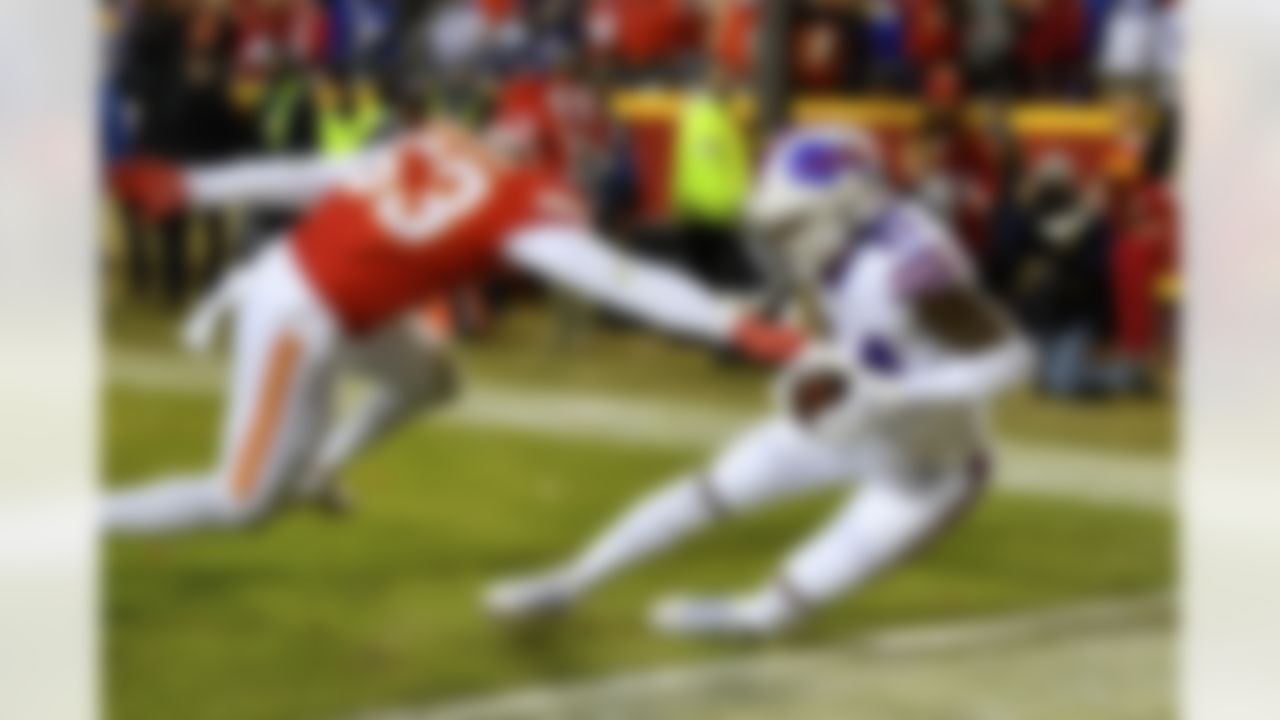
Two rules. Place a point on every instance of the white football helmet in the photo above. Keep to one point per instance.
(818, 186)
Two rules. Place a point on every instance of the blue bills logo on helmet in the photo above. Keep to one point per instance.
(819, 161)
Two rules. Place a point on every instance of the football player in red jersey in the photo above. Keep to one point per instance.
(381, 231)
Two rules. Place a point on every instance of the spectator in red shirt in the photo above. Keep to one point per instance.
(1143, 258)
(963, 161)
(931, 31)
(498, 12)
(553, 118)
(1050, 45)
(525, 124)
(827, 47)
(271, 29)
(733, 35)
(642, 35)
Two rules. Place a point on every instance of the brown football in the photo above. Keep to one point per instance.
(816, 392)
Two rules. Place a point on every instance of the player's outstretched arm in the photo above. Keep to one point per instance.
(280, 182)
(160, 188)
(987, 354)
(575, 259)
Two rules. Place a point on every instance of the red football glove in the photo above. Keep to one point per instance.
(154, 187)
(767, 342)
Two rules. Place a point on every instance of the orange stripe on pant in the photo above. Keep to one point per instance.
(272, 395)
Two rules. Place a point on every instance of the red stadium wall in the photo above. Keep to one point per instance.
(1086, 133)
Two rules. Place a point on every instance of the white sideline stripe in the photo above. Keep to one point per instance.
(1112, 478)
(1097, 619)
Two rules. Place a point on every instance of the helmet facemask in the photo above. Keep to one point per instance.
(806, 232)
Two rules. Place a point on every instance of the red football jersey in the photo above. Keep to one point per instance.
(429, 213)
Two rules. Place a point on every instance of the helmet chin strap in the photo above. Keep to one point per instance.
(815, 245)
(864, 201)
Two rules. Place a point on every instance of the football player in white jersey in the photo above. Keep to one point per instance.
(891, 404)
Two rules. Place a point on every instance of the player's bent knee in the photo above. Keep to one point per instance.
(242, 513)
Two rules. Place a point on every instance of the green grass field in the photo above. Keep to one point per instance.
(311, 617)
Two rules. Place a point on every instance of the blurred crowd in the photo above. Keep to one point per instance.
(1031, 48)
(1083, 251)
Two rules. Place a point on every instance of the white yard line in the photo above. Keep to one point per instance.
(1099, 660)
(1095, 476)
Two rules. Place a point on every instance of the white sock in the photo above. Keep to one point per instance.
(658, 522)
(381, 412)
(771, 609)
(168, 506)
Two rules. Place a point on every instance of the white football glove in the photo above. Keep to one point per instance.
(201, 324)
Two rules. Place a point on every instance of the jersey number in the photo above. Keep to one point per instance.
(421, 190)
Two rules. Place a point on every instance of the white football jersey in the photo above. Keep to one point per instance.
(867, 299)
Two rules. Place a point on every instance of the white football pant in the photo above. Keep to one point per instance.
(276, 437)
(894, 508)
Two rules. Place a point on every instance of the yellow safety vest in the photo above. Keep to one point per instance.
(342, 133)
(712, 163)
